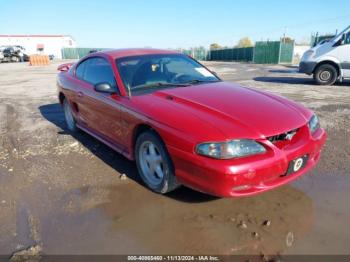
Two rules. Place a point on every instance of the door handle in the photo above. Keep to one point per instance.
(80, 94)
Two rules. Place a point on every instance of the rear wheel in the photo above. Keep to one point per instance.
(68, 115)
(154, 163)
(325, 74)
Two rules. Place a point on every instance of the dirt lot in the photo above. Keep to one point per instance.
(66, 195)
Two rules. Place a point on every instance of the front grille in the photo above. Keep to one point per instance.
(283, 137)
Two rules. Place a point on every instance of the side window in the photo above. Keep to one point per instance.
(79, 73)
(347, 39)
(99, 70)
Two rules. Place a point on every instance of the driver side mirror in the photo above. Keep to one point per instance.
(105, 88)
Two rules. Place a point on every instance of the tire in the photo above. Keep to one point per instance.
(68, 115)
(155, 166)
(15, 59)
(325, 74)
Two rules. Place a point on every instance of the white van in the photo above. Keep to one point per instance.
(329, 61)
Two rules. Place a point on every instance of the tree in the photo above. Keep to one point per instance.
(287, 39)
(244, 42)
(215, 46)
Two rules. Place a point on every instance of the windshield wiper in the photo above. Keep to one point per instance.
(198, 81)
(160, 84)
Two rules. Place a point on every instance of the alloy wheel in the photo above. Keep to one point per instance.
(151, 163)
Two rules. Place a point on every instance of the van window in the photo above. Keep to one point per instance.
(347, 39)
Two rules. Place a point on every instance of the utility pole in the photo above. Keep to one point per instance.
(284, 34)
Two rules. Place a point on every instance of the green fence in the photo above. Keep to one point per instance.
(316, 39)
(267, 52)
(232, 54)
(273, 52)
(270, 52)
(199, 53)
(77, 53)
(286, 53)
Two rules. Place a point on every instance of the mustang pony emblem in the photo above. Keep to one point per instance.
(289, 136)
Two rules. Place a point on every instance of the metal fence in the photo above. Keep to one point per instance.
(286, 53)
(264, 52)
(273, 52)
(77, 53)
(199, 53)
(232, 54)
(267, 52)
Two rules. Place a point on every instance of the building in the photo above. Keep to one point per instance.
(39, 44)
(299, 51)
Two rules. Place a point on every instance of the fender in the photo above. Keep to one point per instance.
(333, 60)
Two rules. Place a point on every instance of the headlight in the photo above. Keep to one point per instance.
(314, 124)
(308, 54)
(230, 149)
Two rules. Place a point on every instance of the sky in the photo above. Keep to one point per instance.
(172, 23)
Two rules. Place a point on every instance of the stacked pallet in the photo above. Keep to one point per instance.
(39, 60)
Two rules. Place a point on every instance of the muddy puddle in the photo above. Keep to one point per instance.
(295, 219)
(137, 221)
(330, 233)
(126, 218)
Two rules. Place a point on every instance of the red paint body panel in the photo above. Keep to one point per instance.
(196, 114)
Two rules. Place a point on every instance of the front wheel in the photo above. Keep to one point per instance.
(325, 75)
(154, 163)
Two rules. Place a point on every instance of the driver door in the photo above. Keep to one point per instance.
(101, 112)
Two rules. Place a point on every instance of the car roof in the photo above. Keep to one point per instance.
(119, 53)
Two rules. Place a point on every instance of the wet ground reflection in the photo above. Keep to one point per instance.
(135, 220)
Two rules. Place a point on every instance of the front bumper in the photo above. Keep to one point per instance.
(245, 176)
(307, 67)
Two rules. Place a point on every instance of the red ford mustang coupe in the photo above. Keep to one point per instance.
(183, 125)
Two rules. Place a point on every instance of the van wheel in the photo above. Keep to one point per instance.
(325, 75)
(154, 163)
(14, 59)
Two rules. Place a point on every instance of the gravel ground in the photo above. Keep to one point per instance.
(68, 195)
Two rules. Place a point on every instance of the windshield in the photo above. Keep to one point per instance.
(153, 72)
(341, 33)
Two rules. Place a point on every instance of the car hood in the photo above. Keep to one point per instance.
(236, 111)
